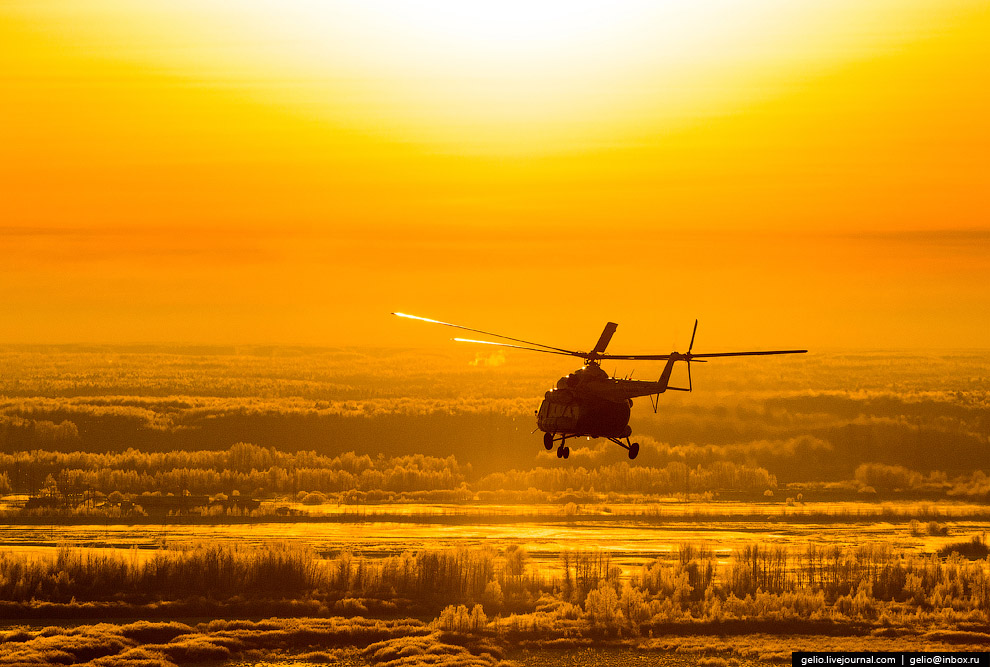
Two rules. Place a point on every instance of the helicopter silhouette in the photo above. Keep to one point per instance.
(590, 403)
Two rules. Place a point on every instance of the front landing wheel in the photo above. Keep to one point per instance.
(634, 450)
(548, 441)
(567, 452)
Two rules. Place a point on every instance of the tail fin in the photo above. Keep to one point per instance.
(674, 358)
(664, 380)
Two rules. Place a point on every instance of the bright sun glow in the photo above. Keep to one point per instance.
(508, 76)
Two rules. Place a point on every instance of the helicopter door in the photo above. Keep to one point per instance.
(558, 417)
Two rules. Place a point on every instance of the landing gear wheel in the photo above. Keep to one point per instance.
(548, 441)
(567, 452)
(560, 452)
(634, 450)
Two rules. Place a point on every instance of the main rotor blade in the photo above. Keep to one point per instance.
(685, 356)
(634, 357)
(748, 354)
(489, 333)
(605, 338)
(520, 347)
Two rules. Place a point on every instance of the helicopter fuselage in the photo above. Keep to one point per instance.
(564, 412)
(588, 402)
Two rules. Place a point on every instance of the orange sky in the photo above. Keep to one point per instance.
(291, 172)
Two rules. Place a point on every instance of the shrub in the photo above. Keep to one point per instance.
(975, 549)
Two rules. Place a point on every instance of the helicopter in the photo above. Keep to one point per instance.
(590, 403)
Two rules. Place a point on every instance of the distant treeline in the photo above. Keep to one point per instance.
(795, 447)
(472, 430)
(867, 584)
(265, 471)
(244, 467)
(250, 469)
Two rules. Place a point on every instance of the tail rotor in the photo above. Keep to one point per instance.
(688, 355)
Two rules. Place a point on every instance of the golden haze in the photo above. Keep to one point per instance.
(184, 172)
